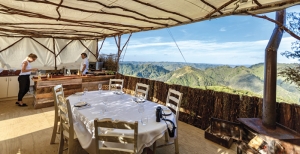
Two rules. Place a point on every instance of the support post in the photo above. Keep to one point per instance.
(55, 65)
(97, 52)
(119, 52)
(118, 43)
(270, 74)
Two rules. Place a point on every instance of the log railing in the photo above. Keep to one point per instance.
(198, 105)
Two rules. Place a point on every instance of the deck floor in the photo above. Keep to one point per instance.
(25, 130)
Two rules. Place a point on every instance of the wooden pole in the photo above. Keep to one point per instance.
(270, 74)
(97, 52)
(120, 50)
(55, 65)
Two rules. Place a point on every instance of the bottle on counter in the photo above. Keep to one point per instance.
(39, 76)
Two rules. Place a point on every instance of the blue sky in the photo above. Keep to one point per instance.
(228, 40)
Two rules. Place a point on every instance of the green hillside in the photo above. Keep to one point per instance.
(232, 79)
(144, 70)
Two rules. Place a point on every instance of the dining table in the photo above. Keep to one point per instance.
(116, 106)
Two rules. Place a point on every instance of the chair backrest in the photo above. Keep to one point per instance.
(66, 118)
(57, 90)
(114, 82)
(142, 88)
(122, 139)
(176, 101)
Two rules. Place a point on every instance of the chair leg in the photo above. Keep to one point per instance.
(154, 147)
(176, 146)
(58, 130)
(166, 137)
(70, 146)
(54, 132)
(61, 144)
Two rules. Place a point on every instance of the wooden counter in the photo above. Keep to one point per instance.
(43, 96)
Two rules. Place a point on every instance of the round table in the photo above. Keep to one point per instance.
(107, 104)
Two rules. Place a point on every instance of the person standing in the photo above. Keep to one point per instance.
(84, 64)
(24, 81)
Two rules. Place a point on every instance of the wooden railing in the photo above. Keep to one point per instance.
(198, 105)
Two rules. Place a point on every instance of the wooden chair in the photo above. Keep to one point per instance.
(174, 105)
(142, 88)
(66, 125)
(114, 82)
(101, 137)
(57, 90)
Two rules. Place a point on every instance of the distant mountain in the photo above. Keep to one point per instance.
(171, 66)
(233, 79)
(144, 70)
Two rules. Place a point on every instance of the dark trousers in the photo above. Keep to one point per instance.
(24, 84)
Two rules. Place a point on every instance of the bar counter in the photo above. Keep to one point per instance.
(43, 95)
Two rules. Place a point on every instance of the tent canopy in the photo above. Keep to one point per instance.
(53, 29)
(51, 52)
(97, 19)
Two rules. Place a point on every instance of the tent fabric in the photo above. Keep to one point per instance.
(69, 57)
(91, 19)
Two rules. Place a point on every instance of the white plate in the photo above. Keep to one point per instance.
(79, 104)
(137, 100)
(166, 111)
(79, 93)
(118, 93)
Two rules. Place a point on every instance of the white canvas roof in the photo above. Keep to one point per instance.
(66, 53)
(90, 19)
(47, 27)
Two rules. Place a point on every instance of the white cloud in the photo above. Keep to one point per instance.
(222, 29)
(198, 51)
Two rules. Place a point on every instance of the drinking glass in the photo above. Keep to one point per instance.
(144, 120)
(85, 90)
(141, 108)
(119, 88)
(99, 87)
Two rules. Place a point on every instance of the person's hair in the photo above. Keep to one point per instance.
(32, 56)
(85, 55)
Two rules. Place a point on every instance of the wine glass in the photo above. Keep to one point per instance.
(99, 87)
(105, 102)
(144, 118)
(134, 99)
(85, 90)
(142, 97)
(136, 95)
(121, 88)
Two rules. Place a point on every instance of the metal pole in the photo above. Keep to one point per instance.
(270, 74)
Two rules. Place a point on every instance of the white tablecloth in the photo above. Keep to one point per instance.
(119, 107)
